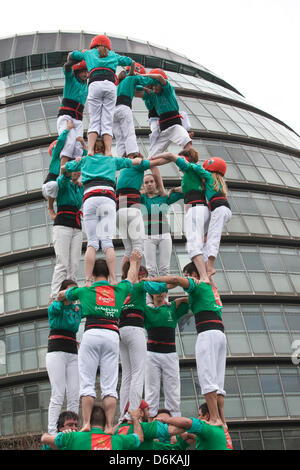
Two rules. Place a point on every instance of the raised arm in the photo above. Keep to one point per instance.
(49, 440)
(137, 429)
(172, 280)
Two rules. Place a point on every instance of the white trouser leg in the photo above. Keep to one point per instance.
(164, 254)
(171, 382)
(62, 238)
(99, 347)
(123, 120)
(210, 353)
(101, 102)
(62, 370)
(195, 219)
(99, 215)
(150, 244)
(133, 353)
(218, 219)
(152, 382)
(75, 254)
(132, 231)
(72, 147)
(176, 134)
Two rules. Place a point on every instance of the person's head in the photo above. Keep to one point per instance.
(80, 71)
(98, 417)
(75, 176)
(99, 146)
(135, 155)
(159, 299)
(143, 273)
(191, 155)
(102, 43)
(67, 283)
(100, 269)
(67, 420)
(122, 75)
(162, 414)
(190, 270)
(157, 88)
(150, 184)
(203, 412)
(217, 166)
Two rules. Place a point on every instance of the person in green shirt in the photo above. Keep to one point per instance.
(123, 125)
(208, 436)
(158, 239)
(101, 63)
(101, 305)
(66, 420)
(71, 109)
(67, 230)
(162, 359)
(62, 355)
(197, 214)
(133, 349)
(130, 219)
(210, 349)
(153, 432)
(96, 438)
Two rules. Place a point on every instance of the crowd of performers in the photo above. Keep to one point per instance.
(132, 321)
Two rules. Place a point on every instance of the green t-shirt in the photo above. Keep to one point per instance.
(98, 166)
(93, 60)
(64, 317)
(165, 316)
(191, 180)
(209, 437)
(181, 444)
(154, 430)
(154, 211)
(96, 439)
(165, 101)
(133, 177)
(69, 194)
(128, 84)
(101, 299)
(203, 297)
(137, 297)
(74, 88)
(54, 166)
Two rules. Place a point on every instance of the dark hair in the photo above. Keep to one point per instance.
(192, 154)
(204, 409)
(100, 268)
(163, 410)
(143, 268)
(98, 416)
(66, 283)
(190, 268)
(99, 142)
(64, 416)
(135, 155)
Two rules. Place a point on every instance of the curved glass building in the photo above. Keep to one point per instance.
(258, 268)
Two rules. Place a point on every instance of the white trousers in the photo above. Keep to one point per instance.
(196, 221)
(124, 131)
(99, 348)
(162, 243)
(63, 375)
(99, 217)
(176, 134)
(211, 361)
(131, 229)
(166, 367)
(72, 147)
(67, 243)
(218, 219)
(133, 354)
(102, 97)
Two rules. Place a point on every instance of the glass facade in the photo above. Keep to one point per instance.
(257, 269)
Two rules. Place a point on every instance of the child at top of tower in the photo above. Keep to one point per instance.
(71, 109)
(102, 63)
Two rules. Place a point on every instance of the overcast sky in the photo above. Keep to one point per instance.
(252, 44)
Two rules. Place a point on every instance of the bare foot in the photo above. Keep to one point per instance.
(217, 422)
(85, 428)
(108, 430)
(205, 280)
